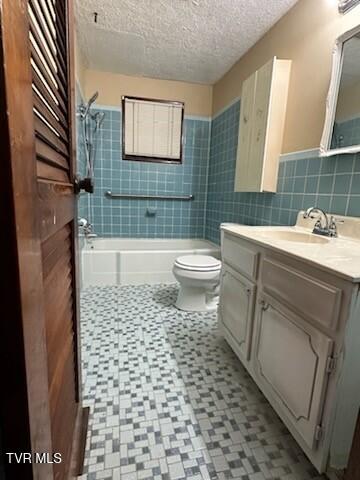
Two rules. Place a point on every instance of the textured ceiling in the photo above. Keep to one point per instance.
(189, 40)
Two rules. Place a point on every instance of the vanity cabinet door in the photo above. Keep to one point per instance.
(237, 308)
(291, 359)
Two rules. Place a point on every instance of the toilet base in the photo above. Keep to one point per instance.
(193, 299)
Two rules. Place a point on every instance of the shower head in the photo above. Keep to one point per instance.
(90, 102)
(93, 98)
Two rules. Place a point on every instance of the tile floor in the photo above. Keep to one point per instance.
(169, 400)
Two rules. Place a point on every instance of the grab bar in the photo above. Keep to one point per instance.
(109, 194)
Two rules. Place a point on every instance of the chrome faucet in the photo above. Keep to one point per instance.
(86, 228)
(319, 227)
(329, 229)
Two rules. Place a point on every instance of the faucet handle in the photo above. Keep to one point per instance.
(333, 225)
(83, 222)
(335, 221)
(85, 226)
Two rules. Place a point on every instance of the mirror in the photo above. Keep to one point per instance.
(342, 124)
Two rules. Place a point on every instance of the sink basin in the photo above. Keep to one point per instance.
(298, 237)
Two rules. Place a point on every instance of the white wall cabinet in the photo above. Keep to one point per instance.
(261, 127)
(295, 328)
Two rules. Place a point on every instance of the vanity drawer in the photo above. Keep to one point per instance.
(313, 298)
(235, 254)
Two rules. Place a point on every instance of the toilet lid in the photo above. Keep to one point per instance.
(199, 262)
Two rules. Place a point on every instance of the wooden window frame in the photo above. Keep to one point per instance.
(149, 158)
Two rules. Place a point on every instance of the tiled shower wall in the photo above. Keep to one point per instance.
(331, 183)
(150, 218)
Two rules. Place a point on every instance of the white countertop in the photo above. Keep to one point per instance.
(340, 255)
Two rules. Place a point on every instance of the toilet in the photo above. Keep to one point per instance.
(199, 277)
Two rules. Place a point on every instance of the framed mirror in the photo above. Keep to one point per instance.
(342, 123)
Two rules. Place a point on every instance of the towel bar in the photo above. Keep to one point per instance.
(109, 194)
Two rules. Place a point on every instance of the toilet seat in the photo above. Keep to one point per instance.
(198, 263)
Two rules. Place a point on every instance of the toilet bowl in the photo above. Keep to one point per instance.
(199, 277)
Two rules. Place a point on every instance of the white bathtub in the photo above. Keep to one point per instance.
(126, 261)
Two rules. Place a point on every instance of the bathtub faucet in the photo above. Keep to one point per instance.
(86, 228)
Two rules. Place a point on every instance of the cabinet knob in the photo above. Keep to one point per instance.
(248, 292)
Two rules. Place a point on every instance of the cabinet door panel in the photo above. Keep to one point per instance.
(260, 126)
(291, 359)
(236, 308)
(245, 129)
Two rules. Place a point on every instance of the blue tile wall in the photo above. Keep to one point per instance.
(331, 183)
(131, 218)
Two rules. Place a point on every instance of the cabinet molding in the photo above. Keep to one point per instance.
(261, 127)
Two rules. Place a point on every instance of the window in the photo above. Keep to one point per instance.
(345, 5)
(152, 130)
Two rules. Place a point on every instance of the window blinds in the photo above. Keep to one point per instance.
(152, 129)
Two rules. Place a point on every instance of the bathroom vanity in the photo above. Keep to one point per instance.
(290, 310)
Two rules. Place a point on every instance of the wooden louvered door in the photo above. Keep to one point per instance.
(37, 46)
(49, 47)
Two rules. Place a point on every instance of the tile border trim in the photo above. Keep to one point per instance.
(313, 153)
(222, 110)
(300, 155)
(118, 109)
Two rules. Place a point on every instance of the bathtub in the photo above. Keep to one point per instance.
(130, 261)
